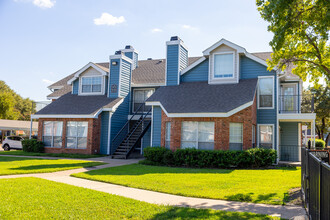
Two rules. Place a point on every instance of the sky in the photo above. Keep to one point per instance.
(42, 41)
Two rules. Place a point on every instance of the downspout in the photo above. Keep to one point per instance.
(31, 127)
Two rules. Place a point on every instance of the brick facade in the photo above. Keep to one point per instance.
(247, 116)
(93, 136)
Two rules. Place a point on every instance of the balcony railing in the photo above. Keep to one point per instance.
(140, 107)
(295, 104)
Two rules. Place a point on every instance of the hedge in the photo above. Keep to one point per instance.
(33, 145)
(319, 143)
(252, 158)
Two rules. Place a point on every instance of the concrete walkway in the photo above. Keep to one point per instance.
(287, 212)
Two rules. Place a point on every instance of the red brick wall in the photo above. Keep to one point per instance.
(247, 116)
(93, 136)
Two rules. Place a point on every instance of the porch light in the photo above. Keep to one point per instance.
(114, 63)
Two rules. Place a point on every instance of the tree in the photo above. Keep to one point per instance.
(12, 105)
(321, 108)
(301, 36)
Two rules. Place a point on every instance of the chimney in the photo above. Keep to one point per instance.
(176, 60)
(131, 53)
(120, 75)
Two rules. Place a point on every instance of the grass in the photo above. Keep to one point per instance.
(269, 186)
(22, 153)
(34, 198)
(22, 165)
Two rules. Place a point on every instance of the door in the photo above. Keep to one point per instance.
(289, 101)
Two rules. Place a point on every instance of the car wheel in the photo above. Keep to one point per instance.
(6, 147)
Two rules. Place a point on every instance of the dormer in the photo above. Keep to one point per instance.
(223, 62)
(90, 80)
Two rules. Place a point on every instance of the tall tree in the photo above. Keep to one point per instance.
(321, 108)
(301, 36)
(12, 105)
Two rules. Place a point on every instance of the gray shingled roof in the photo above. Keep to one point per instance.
(200, 97)
(70, 104)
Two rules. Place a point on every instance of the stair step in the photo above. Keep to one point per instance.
(118, 157)
(120, 153)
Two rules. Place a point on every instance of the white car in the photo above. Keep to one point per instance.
(12, 142)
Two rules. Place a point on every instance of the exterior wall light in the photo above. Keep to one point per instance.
(114, 63)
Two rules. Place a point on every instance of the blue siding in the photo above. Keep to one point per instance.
(146, 139)
(198, 73)
(118, 119)
(125, 78)
(156, 126)
(114, 77)
(289, 141)
(251, 69)
(75, 87)
(172, 65)
(104, 132)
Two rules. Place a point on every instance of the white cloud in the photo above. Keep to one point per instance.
(44, 3)
(108, 19)
(188, 27)
(47, 81)
(156, 30)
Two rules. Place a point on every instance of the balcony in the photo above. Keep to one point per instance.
(295, 104)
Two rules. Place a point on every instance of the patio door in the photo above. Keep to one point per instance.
(289, 100)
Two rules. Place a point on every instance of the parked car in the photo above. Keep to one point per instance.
(12, 142)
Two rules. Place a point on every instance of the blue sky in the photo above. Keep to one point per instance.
(42, 41)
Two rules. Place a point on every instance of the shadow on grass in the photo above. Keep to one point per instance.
(247, 197)
(54, 166)
(186, 213)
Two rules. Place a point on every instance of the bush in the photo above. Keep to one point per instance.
(256, 157)
(32, 145)
(319, 143)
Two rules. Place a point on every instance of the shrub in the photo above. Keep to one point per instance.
(319, 143)
(256, 157)
(33, 145)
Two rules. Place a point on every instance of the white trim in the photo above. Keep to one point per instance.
(91, 93)
(129, 50)
(193, 65)
(179, 54)
(53, 97)
(166, 61)
(109, 133)
(121, 56)
(273, 95)
(55, 87)
(273, 135)
(177, 42)
(90, 64)
(119, 78)
(202, 114)
(147, 85)
(255, 58)
(301, 117)
(152, 122)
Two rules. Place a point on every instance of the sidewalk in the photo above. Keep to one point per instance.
(287, 212)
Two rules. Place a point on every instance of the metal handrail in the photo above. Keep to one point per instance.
(128, 121)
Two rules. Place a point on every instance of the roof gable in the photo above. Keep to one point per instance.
(98, 68)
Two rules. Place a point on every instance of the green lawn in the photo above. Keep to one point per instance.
(21, 165)
(22, 153)
(34, 198)
(258, 186)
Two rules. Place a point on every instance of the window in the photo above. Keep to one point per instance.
(91, 84)
(223, 65)
(266, 91)
(139, 98)
(236, 136)
(76, 134)
(266, 136)
(199, 135)
(168, 135)
(52, 133)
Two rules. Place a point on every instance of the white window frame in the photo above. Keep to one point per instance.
(258, 134)
(80, 92)
(52, 143)
(133, 96)
(197, 132)
(75, 147)
(242, 130)
(166, 133)
(273, 98)
(213, 78)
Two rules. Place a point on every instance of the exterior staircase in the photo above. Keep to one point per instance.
(130, 135)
